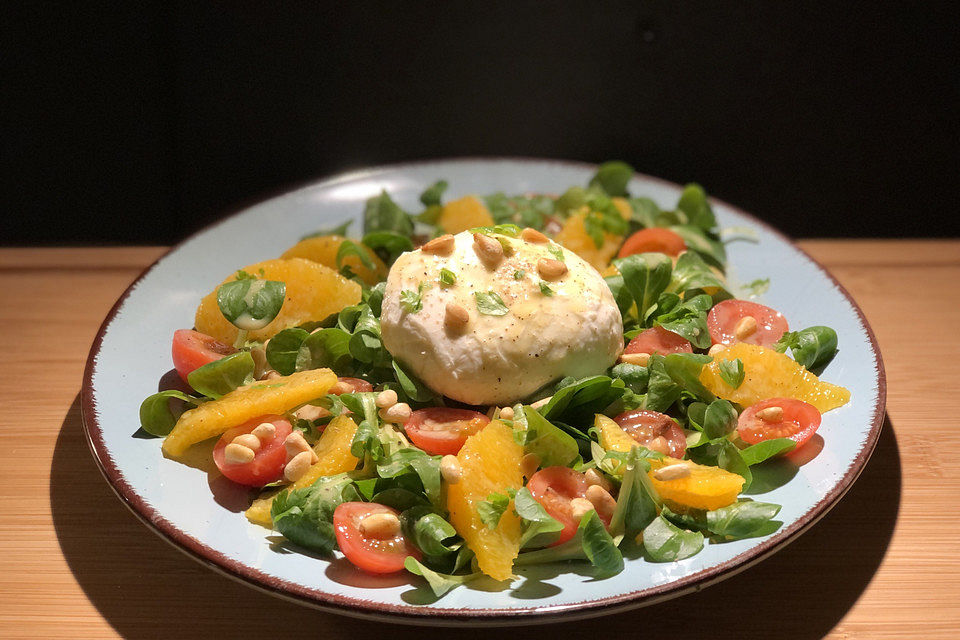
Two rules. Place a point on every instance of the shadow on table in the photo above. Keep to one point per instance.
(145, 588)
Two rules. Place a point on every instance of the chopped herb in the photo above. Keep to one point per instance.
(490, 303)
(447, 277)
(556, 251)
(757, 287)
(545, 290)
(412, 301)
(731, 371)
(518, 274)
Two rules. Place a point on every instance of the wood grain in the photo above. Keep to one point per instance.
(75, 563)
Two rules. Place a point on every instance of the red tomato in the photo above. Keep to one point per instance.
(658, 340)
(554, 488)
(366, 552)
(655, 431)
(653, 239)
(356, 385)
(268, 462)
(724, 317)
(192, 350)
(800, 421)
(441, 431)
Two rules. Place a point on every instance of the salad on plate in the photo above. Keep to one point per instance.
(499, 381)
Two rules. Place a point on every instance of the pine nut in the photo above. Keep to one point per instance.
(715, 349)
(456, 316)
(672, 472)
(442, 245)
(532, 235)
(639, 359)
(594, 477)
(488, 249)
(541, 403)
(381, 526)
(340, 387)
(295, 444)
(601, 500)
(659, 444)
(386, 399)
(249, 441)
(237, 454)
(265, 431)
(506, 413)
(271, 375)
(580, 507)
(298, 466)
(551, 269)
(529, 464)
(745, 328)
(310, 412)
(397, 414)
(450, 469)
(771, 414)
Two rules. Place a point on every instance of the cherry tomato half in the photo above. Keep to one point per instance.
(357, 385)
(800, 421)
(658, 340)
(653, 239)
(268, 462)
(555, 488)
(723, 319)
(442, 431)
(192, 350)
(364, 551)
(655, 431)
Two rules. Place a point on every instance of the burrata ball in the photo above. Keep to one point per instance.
(489, 318)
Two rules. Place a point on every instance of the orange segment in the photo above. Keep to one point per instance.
(333, 451)
(323, 250)
(490, 461)
(612, 437)
(574, 236)
(706, 487)
(769, 374)
(268, 397)
(465, 213)
(313, 293)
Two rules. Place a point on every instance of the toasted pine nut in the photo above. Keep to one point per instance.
(441, 245)
(529, 464)
(489, 250)
(397, 414)
(506, 413)
(271, 375)
(601, 500)
(672, 472)
(298, 466)
(594, 477)
(340, 387)
(771, 414)
(541, 403)
(551, 269)
(295, 444)
(311, 412)
(386, 399)
(381, 526)
(265, 431)
(659, 444)
(715, 349)
(450, 469)
(235, 453)
(532, 235)
(456, 316)
(639, 359)
(248, 440)
(580, 507)
(745, 328)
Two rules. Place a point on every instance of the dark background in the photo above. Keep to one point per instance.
(141, 122)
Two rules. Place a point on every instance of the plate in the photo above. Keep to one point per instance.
(132, 351)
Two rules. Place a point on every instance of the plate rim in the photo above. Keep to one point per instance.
(414, 614)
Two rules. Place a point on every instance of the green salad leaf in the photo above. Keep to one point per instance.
(156, 417)
(305, 516)
(645, 276)
(539, 528)
(250, 303)
(381, 213)
(554, 446)
(283, 348)
(432, 195)
(665, 542)
(222, 376)
(325, 348)
(440, 583)
(613, 178)
(693, 202)
(757, 453)
(813, 347)
(493, 508)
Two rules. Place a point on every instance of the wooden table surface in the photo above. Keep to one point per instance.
(885, 563)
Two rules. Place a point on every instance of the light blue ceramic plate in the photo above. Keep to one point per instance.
(202, 516)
